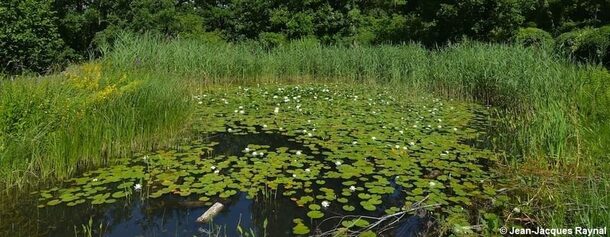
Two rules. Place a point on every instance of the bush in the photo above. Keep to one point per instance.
(533, 37)
(588, 44)
(271, 40)
(29, 38)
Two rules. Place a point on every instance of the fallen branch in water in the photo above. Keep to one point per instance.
(378, 221)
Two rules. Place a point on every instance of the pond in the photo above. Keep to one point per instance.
(292, 160)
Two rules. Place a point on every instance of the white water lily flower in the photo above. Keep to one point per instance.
(352, 188)
(401, 132)
(338, 163)
(200, 102)
(229, 130)
(309, 134)
(432, 184)
(299, 153)
(236, 111)
(454, 129)
(276, 110)
(264, 125)
(307, 170)
(217, 171)
(242, 112)
(95, 180)
(137, 187)
(261, 153)
(412, 143)
(294, 175)
(241, 107)
(439, 126)
(213, 167)
(354, 142)
(374, 138)
(325, 204)
(397, 146)
(254, 153)
(247, 149)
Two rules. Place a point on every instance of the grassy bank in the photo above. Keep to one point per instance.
(552, 116)
(54, 125)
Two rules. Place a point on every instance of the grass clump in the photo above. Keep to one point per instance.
(54, 125)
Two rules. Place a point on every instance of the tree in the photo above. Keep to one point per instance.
(29, 38)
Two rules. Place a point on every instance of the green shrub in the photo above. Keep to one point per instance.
(29, 38)
(588, 44)
(271, 40)
(533, 37)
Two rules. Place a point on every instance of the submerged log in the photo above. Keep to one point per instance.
(210, 213)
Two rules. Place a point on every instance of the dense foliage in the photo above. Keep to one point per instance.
(83, 26)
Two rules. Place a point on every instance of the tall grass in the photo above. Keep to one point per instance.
(52, 126)
(247, 62)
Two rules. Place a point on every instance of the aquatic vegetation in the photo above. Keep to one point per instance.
(353, 149)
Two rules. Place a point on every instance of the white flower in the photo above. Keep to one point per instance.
(338, 162)
(396, 146)
(261, 153)
(276, 110)
(200, 102)
(242, 112)
(352, 188)
(254, 153)
(454, 129)
(374, 138)
(213, 167)
(307, 170)
(241, 107)
(229, 130)
(354, 142)
(137, 187)
(439, 126)
(309, 134)
(145, 158)
(294, 175)
(412, 143)
(401, 132)
(95, 180)
(325, 204)
(298, 153)
(264, 125)
(516, 210)
(432, 184)
(247, 149)
(217, 171)
(236, 111)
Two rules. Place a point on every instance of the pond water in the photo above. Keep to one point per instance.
(288, 161)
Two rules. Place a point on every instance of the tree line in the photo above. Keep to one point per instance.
(37, 34)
